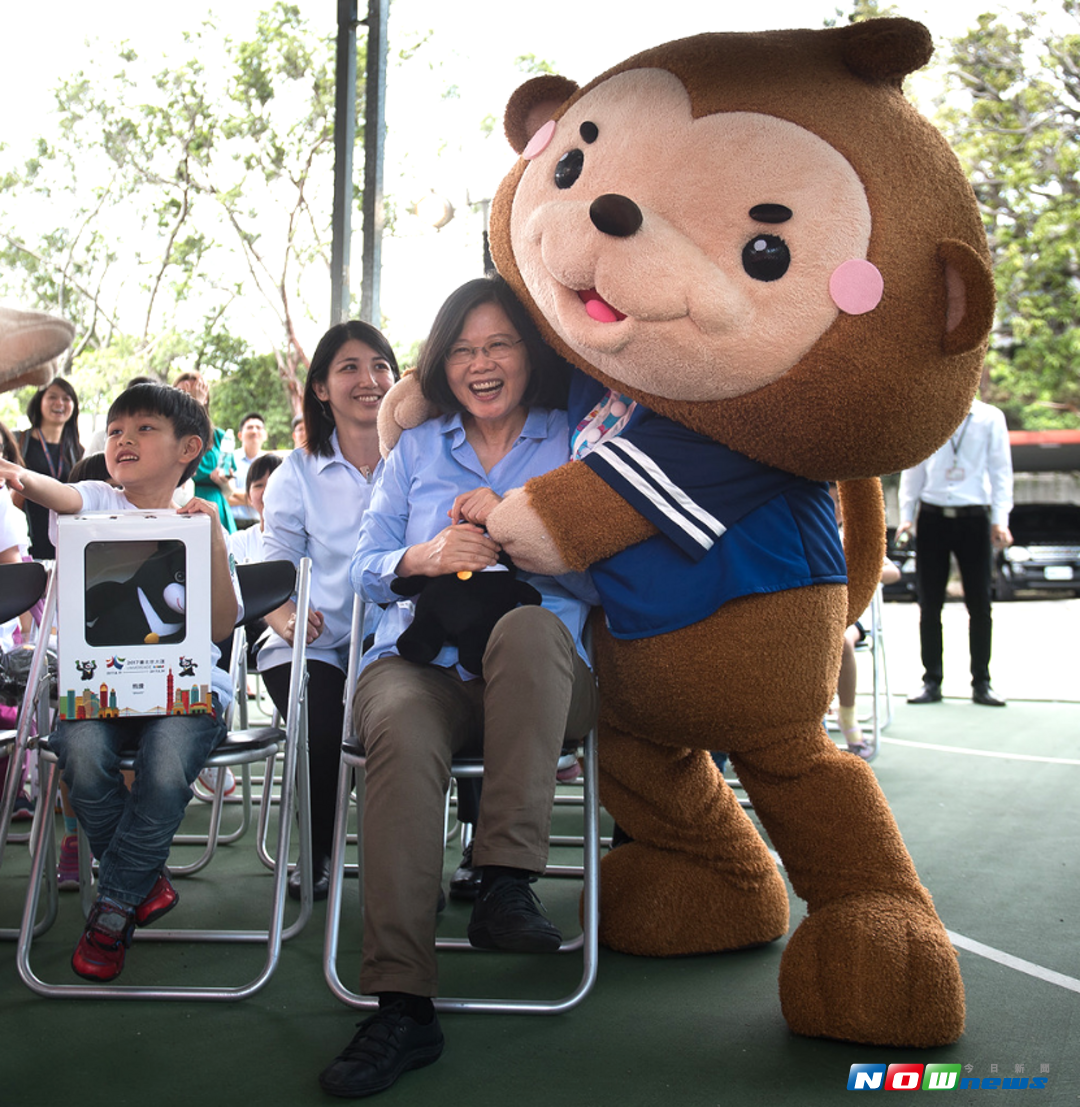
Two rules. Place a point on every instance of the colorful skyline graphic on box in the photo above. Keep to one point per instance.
(103, 704)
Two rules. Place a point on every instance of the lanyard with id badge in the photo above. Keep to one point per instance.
(955, 472)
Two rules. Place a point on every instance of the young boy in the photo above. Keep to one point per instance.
(155, 436)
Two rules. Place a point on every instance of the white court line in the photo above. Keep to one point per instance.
(981, 753)
(997, 955)
(1017, 963)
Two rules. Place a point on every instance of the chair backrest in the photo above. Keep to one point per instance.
(265, 586)
(22, 584)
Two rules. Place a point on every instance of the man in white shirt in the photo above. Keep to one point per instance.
(964, 495)
(252, 439)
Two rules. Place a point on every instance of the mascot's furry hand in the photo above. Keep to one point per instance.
(402, 408)
(516, 526)
(30, 343)
(460, 609)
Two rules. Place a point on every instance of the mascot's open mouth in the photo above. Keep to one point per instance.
(598, 308)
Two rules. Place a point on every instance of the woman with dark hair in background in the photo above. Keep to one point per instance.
(212, 480)
(313, 505)
(51, 446)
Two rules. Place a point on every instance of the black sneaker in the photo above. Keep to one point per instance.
(509, 916)
(465, 883)
(385, 1045)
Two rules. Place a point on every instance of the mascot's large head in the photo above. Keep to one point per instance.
(757, 236)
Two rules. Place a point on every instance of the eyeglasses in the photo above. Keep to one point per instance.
(498, 349)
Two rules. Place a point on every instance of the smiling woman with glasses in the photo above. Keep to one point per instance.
(500, 391)
(498, 348)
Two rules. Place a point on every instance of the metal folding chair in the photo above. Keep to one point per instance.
(352, 761)
(22, 585)
(873, 643)
(239, 747)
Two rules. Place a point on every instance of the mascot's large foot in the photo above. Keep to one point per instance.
(876, 969)
(658, 903)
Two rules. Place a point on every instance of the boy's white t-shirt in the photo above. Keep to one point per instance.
(98, 495)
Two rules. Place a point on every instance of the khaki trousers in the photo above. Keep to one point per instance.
(536, 693)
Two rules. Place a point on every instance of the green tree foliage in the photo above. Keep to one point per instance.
(193, 201)
(1012, 113)
(253, 385)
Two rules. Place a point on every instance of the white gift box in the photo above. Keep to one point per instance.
(133, 614)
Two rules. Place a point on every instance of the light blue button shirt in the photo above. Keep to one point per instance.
(313, 508)
(415, 490)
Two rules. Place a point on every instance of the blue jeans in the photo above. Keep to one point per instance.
(130, 832)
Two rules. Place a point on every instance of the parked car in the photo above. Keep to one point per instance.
(903, 556)
(1045, 553)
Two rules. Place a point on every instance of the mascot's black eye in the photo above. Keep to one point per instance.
(569, 168)
(178, 576)
(589, 132)
(766, 257)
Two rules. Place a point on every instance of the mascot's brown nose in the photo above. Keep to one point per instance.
(616, 215)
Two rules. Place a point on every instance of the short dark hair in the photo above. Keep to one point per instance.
(90, 467)
(71, 446)
(184, 412)
(8, 446)
(549, 374)
(318, 422)
(251, 415)
(260, 468)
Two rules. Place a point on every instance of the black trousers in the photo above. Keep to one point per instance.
(326, 716)
(968, 537)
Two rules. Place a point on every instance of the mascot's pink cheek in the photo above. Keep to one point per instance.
(539, 141)
(856, 287)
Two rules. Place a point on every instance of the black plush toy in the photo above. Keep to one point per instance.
(145, 609)
(460, 609)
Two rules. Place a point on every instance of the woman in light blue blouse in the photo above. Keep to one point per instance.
(499, 387)
(313, 506)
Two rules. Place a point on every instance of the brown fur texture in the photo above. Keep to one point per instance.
(695, 135)
(31, 343)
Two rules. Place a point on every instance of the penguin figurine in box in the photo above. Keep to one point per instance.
(145, 609)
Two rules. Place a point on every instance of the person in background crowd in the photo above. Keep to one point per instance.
(252, 437)
(213, 482)
(51, 447)
(963, 494)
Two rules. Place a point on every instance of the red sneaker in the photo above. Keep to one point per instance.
(100, 952)
(162, 899)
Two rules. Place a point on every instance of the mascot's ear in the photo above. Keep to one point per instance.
(886, 50)
(532, 105)
(969, 291)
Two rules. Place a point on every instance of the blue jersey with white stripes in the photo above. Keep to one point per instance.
(729, 526)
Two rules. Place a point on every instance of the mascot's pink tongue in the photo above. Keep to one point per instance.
(598, 308)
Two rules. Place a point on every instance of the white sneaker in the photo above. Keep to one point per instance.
(208, 779)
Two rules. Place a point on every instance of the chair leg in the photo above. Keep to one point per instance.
(43, 824)
(587, 942)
